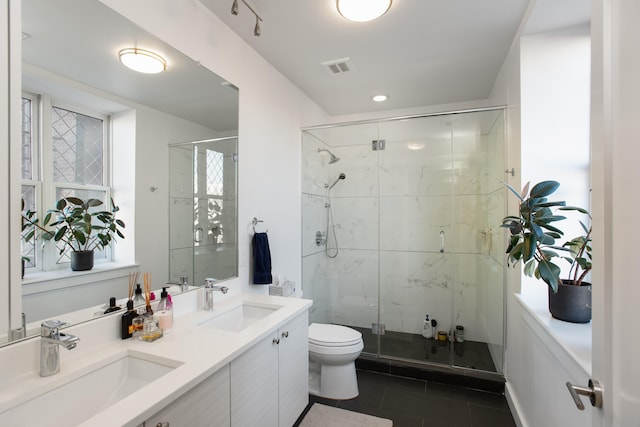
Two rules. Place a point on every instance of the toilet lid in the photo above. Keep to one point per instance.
(333, 335)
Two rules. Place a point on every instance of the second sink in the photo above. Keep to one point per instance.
(239, 318)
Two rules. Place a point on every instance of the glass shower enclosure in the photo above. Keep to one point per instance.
(400, 221)
(202, 210)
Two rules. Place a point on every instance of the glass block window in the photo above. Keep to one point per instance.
(77, 147)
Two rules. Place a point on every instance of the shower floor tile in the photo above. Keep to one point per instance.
(467, 354)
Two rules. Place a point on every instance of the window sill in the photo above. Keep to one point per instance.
(51, 280)
(572, 338)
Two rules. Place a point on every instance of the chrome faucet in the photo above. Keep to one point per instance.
(183, 283)
(209, 288)
(209, 283)
(50, 339)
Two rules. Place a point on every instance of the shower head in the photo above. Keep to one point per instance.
(341, 176)
(333, 157)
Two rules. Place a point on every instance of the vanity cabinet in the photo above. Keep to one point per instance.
(207, 404)
(270, 381)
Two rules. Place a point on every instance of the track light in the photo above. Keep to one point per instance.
(234, 11)
(257, 30)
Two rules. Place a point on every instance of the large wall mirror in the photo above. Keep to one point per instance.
(70, 55)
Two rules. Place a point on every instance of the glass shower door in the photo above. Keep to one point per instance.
(202, 210)
(415, 235)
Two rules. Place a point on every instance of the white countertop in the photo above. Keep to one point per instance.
(199, 351)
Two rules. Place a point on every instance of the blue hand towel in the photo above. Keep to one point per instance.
(261, 259)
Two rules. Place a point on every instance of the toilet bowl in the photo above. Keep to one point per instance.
(333, 350)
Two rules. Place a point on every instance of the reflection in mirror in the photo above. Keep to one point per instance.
(70, 55)
(202, 210)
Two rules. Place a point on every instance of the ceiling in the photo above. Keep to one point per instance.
(421, 52)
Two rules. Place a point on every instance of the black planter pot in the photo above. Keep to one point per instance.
(571, 303)
(82, 261)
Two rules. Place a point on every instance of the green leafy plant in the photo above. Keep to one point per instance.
(74, 224)
(29, 224)
(534, 235)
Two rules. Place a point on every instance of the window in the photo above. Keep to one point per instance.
(208, 184)
(65, 156)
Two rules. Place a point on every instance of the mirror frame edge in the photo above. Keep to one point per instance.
(13, 186)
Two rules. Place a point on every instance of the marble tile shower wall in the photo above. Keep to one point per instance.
(389, 213)
(208, 259)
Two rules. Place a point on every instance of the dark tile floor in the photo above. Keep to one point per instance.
(467, 354)
(416, 403)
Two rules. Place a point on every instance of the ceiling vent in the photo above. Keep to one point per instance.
(338, 66)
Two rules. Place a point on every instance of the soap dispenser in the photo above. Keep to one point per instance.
(427, 331)
(138, 299)
(164, 311)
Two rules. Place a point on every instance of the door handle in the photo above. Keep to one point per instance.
(593, 391)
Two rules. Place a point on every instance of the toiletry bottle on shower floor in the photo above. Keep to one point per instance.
(427, 330)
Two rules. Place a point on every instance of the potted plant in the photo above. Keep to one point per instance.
(80, 229)
(28, 230)
(533, 241)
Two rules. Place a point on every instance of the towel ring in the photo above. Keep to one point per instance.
(255, 222)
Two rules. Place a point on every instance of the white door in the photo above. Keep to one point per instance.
(616, 199)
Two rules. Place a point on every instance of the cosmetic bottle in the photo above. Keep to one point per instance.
(164, 311)
(150, 330)
(112, 306)
(427, 331)
(138, 298)
(126, 330)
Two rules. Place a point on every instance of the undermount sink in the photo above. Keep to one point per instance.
(83, 397)
(239, 318)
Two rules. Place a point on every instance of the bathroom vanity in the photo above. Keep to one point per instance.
(244, 363)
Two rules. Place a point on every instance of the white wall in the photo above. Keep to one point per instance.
(272, 111)
(538, 82)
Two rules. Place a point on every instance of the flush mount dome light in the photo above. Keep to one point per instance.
(362, 10)
(142, 61)
(379, 98)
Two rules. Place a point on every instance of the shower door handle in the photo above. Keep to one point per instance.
(441, 241)
(197, 238)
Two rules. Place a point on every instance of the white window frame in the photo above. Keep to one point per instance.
(42, 157)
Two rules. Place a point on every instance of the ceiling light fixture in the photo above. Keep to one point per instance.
(379, 98)
(142, 61)
(234, 11)
(362, 10)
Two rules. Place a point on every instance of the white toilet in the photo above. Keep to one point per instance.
(333, 350)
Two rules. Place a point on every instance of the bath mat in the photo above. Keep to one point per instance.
(328, 416)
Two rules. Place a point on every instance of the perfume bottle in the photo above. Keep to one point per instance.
(127, 327)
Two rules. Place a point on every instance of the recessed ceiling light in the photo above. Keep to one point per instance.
(362, 10)
(142, 61)
(379, 98)
(415, 146)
